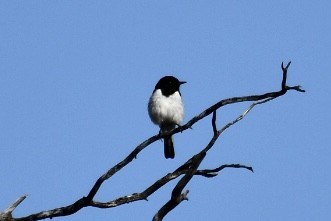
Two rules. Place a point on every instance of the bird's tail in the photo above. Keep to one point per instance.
(169, 151)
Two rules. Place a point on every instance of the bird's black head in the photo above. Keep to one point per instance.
(169, 85)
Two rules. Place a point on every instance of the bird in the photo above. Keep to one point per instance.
(166, 109)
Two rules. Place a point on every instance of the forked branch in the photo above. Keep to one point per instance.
(189, 169)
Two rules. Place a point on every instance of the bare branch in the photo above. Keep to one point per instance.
(7, 214)
(214, 172)
(285, 74)
(214, 123)
(297, 88)
(188, 169)
(143, 195)
(177, 196)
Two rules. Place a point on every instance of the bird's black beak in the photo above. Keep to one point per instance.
(182, 82)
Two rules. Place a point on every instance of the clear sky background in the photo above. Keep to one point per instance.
(75, 78)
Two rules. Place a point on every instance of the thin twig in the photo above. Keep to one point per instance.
(214, 172)
(213, 122)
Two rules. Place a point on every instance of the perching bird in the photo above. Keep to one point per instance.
(166, 109)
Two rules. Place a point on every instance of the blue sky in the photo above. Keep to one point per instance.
(75, 81)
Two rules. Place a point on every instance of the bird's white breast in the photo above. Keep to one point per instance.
(166, 110)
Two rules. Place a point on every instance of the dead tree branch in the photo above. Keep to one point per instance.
(189, 169)
(7, 214)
